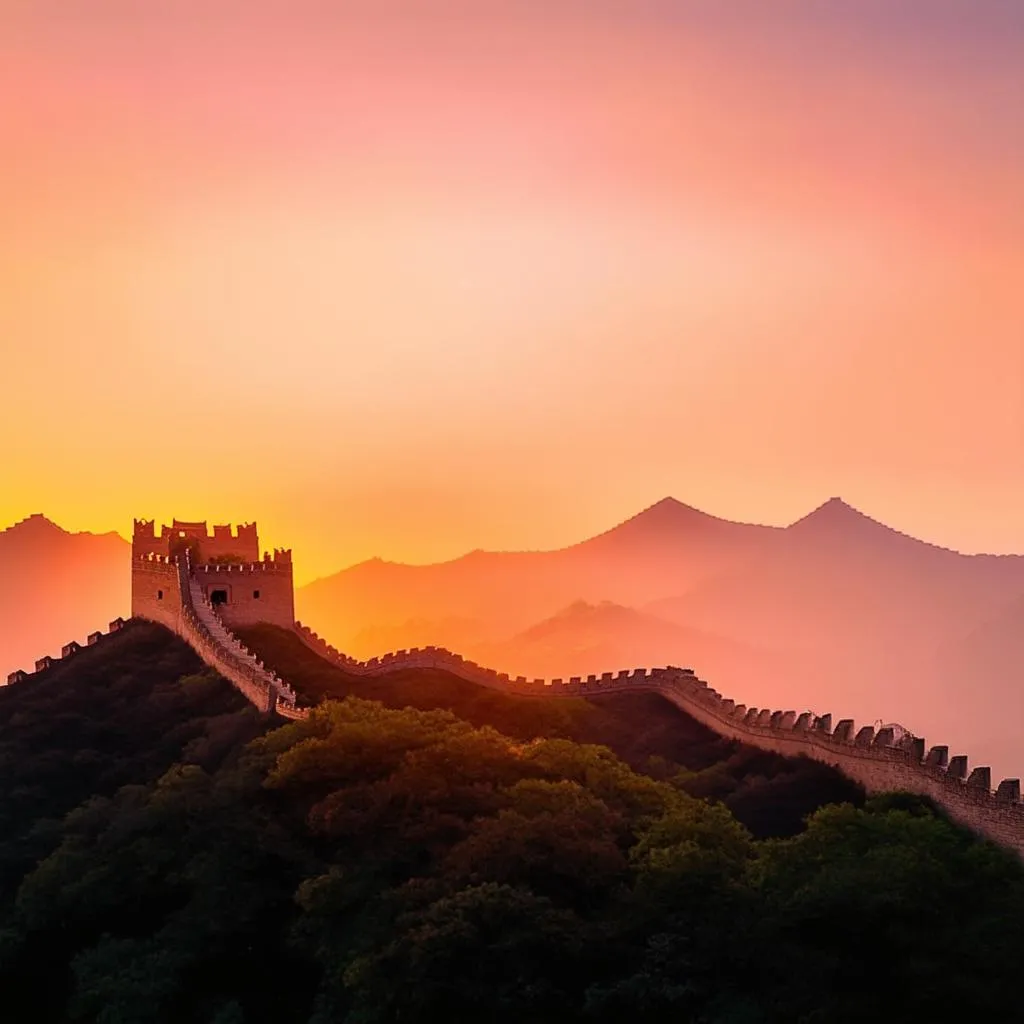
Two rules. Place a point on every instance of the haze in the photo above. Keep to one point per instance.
(412, 279)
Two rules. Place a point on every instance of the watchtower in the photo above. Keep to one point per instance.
(225, 564)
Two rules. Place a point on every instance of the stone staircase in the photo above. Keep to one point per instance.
(202, 628)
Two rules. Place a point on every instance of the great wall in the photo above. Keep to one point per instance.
(190, 596)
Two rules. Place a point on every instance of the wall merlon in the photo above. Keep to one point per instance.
(957, 767)
(804, 722)
(1009, 791)
(144, 529)
(980, 778)
(885, 737)
(844, 730)
(787, 720)
(823, 723)
(938, 756)
(865, 736)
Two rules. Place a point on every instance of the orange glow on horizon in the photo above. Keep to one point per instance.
(405, 286)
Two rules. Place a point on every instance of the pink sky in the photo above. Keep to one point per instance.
(407, 279)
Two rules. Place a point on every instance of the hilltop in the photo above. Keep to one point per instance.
(445, 852)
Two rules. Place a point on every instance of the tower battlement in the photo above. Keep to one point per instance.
(223, 542)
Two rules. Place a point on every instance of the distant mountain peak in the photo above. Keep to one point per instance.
(36, 525)
(670, 507)
(834, 509)
(836, 513)
(838, 521)
(667, 515)
(671, 521)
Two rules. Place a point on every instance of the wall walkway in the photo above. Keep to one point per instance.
(882, 761)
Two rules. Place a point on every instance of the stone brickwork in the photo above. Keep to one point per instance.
(155, 589)
(255, 592)
(199, 583)
(201, 627)
(880, 761)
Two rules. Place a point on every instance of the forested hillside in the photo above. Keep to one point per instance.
(168, 856)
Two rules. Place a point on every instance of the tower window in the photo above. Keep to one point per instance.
(159, 595)
(256, 593)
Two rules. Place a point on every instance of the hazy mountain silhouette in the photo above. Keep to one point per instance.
(836, 612)
(57, 586)
(654, 554)
(585, 638)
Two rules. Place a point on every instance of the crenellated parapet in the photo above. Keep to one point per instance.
(69, 650)
(883, 760)
(240, 542)
(240, 568)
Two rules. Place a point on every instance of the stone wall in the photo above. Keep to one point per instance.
(167, 591)
(155, 589)
(175, 595)
(880, 761)
(200, 626)
(255, 592)
(69, 650)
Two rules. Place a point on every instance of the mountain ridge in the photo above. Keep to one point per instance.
(833, 509)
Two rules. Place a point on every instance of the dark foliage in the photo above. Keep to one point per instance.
(769, 794)
(374, 865)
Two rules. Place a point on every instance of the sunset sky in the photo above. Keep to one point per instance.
(413, 278)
